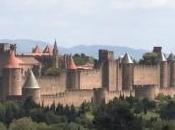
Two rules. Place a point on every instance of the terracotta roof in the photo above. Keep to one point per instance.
(71, 63)
(47, 50)
(36, 50)
(127, 59)
(31, 82)
(28, 60)
(12, 61)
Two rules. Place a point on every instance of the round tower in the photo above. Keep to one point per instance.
(31, 88)
(99, 95)
(127, 72)
(12, 77)
(171, 66)
(72, 74)
(163, 71)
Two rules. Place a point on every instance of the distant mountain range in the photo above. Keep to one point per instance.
(25, 46)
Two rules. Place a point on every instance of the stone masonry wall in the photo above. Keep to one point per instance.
(146, 74)
(51, 85)
(75, 98)
(90, 79)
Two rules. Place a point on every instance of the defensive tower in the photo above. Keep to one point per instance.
(127, 72)
(171, 65)
(109, 70)
(72, 74)
(31, 87)
(12, 77)
(163, 71)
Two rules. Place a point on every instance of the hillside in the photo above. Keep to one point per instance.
(24, 46)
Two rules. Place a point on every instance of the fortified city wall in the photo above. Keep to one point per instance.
(75, 98)
(52, 85)
(90, 79)
(146, 74)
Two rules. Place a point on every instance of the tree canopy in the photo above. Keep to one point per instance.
(149, 58)
(119, 114)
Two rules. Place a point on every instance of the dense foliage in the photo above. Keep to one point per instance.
(52, 71)
(119, 114)
(82, 59)
(149, 58)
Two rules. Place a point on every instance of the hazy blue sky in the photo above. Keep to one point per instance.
(133, 23)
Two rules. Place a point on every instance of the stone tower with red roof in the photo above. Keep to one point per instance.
(11, 77)
(72, 74)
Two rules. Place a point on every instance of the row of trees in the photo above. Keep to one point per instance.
(149, 58)
(82, 59)
(119, 114)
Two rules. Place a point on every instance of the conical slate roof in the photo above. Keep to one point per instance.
(171, 57)
(12, 61)
(71, 64)
(31, 81)
(127, 59)
(162, 57)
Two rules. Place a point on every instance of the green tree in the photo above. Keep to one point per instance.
(29, 104)
(43, 126)
(59, 109)
(2, 126)
(51, 71)
(82, 59)
(116, 116)
(149, 58)
(23, 124)
(2, 112)
(167, 112)
(12, 111)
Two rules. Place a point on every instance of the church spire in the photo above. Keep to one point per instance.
(55, 48)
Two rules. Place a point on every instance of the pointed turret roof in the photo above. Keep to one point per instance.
(12, 61)
(55, 48)
(47, 49)
(71, 63)
(171, 57)
(162, 57)
(31, 81)
(36, 50)
(127, 59)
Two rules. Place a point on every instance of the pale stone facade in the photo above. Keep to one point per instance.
(109, 79)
